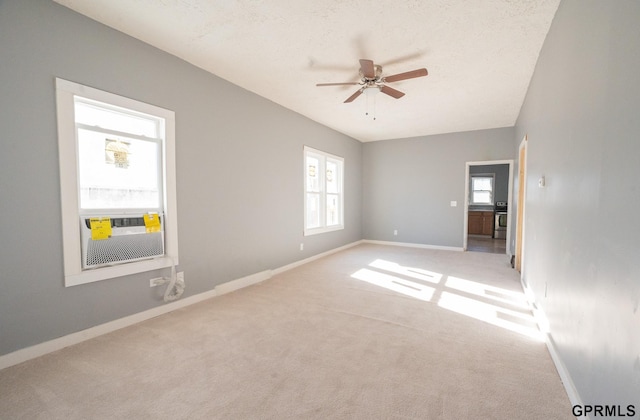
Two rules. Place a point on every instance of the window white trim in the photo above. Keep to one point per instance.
(68, 158)
(323, 157)
(491, 191)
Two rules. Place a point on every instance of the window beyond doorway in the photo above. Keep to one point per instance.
(481, 189)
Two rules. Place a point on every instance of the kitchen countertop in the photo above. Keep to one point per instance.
(481, 208)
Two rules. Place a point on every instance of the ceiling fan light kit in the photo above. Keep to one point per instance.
(372, 90)
(372, 81)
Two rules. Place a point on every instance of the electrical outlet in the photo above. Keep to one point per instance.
(301, 247)
(156, 282)
(395, 232)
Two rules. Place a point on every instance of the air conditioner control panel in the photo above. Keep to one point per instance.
(122, 222)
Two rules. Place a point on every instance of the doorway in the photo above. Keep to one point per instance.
(487, 215)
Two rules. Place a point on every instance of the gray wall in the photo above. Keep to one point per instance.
(408, 184)
(239, 172)
(581, 231)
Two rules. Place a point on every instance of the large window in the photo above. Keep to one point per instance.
(481, 189)
(117, 169)
(119, 157)
(324, 197)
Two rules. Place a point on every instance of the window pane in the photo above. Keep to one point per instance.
(482, 197)
(117, 173)
(482, 184)
(333, 210)
(113, 120)
(313, 174)
(313, 211)
(332, 177)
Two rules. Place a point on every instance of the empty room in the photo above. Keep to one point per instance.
(323, 210)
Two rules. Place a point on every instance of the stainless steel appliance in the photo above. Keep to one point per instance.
(500, 223)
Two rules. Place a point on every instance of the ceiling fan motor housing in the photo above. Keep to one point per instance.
(377, 73)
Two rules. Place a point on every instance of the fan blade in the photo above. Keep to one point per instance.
(367, 68)
(354, 96)
(406, 75)
(336, 84)
(391, 92)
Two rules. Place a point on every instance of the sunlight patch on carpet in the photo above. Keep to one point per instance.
(515, 321)
(494, 305)
(394, 283)
(414, 273)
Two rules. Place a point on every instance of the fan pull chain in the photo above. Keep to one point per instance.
(374, 106)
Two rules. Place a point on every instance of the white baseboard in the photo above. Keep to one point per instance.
(567, 382)
(315, 257)
(411, 245)
(543, 323)
(233, 285)
(50, 346)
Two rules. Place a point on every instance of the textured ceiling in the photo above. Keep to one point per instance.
(480, 54)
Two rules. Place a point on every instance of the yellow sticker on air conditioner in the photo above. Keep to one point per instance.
(152, 222)
(100, 228)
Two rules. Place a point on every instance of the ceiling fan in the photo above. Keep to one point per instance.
(371, 78)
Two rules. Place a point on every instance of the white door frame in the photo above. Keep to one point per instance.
(465, 226)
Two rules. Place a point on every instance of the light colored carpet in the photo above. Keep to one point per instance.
(373, 332)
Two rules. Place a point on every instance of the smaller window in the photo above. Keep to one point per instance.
(324, 198)
(481, 189)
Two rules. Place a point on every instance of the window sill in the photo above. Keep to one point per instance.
(315, 231)
(104, 273)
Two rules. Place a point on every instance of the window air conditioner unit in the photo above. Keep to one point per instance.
(130, 240)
